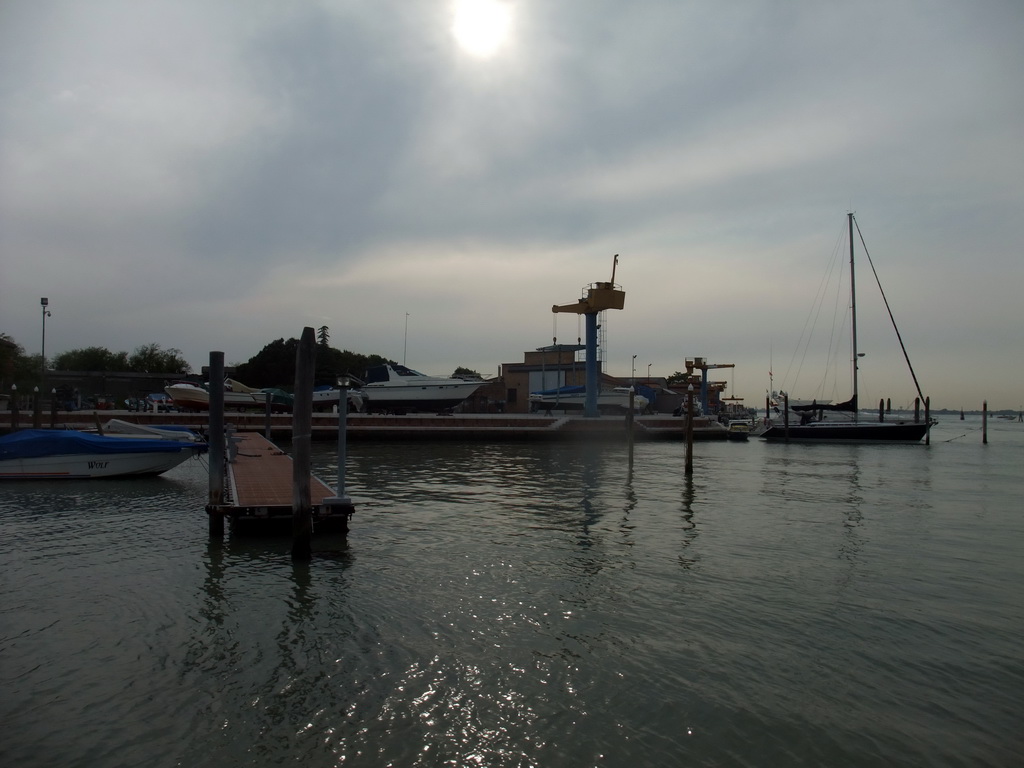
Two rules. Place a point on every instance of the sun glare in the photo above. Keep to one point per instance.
(481, 27)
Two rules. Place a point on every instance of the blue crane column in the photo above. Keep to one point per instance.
(600, 296)
(593, 371)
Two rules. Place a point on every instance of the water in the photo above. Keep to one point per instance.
(533, 605)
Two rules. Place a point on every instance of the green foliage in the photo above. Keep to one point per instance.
(14, 364)
(465, 373)
(677, 378)
(90, 359)
(149, 358)
(274, 365)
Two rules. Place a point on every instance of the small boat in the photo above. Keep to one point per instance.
(738, 430)
(842, 422)
(395, 388)
(189, 396)
(121, 428)
(614, 400)
(44, 454)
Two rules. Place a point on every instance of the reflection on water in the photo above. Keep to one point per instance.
(529, 604)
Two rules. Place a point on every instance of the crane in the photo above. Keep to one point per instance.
(600, 296)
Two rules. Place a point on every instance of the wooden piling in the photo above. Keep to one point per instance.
(689, 431)
(785, 415)
(928, 420)
(267, 410)
(215, 499)
(984, 422)
(302, 428)
(881, 410)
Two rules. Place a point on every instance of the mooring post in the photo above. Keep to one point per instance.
(917, 409)
(14, 408)
(267, 411)
(215, 501)
(340, 503)
(928, 421)
(302, 427)
(689, 430)
(984, 422)
(785, 415)
(881, 410)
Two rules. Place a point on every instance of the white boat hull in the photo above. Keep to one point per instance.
(406, 390)
(606, 401)
(92, 466)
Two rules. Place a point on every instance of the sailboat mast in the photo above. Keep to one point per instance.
(853, 320)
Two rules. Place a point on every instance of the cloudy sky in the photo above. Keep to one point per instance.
(217, 174)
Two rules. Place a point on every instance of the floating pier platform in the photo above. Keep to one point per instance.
(258, 490)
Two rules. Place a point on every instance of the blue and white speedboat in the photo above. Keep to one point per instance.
(44, 454)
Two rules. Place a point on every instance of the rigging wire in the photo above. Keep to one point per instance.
(906, 356)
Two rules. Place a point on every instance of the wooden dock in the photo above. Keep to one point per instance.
(258, 490)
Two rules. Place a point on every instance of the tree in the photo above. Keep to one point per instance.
(323, 336)
(11, 356)
(90, 359)
(272, 366)
(677, 378)
(150, 358)
(465, 373)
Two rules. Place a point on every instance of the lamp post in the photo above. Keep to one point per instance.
(44, 303)
(633, 375)
(340, 501)
(649, 372)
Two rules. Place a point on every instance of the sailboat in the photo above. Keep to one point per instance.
(813, 427)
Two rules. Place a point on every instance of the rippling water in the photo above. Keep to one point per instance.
(533, 605)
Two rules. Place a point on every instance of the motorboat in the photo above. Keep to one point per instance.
(395, 388)
(121, 428)
(45, 454)
(614, 400)
(190, 396)
(326, 398)
(738, 430)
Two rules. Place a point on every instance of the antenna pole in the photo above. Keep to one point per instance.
(853, 318)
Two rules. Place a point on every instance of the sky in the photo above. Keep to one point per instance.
(428, 178)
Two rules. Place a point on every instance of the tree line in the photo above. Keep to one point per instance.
(272, 366)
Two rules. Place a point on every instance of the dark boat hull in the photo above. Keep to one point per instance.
(850, 432)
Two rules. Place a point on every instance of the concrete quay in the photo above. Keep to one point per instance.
(483, 427)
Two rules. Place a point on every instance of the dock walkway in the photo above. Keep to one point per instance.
(258, 489)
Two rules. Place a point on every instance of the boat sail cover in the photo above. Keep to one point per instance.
(850, 406)
(35, 443)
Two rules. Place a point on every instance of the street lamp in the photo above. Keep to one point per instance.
(633, 376)
(341, 500)
(44, 302)
(649, 372)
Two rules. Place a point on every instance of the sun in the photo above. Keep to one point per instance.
(481, 27)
